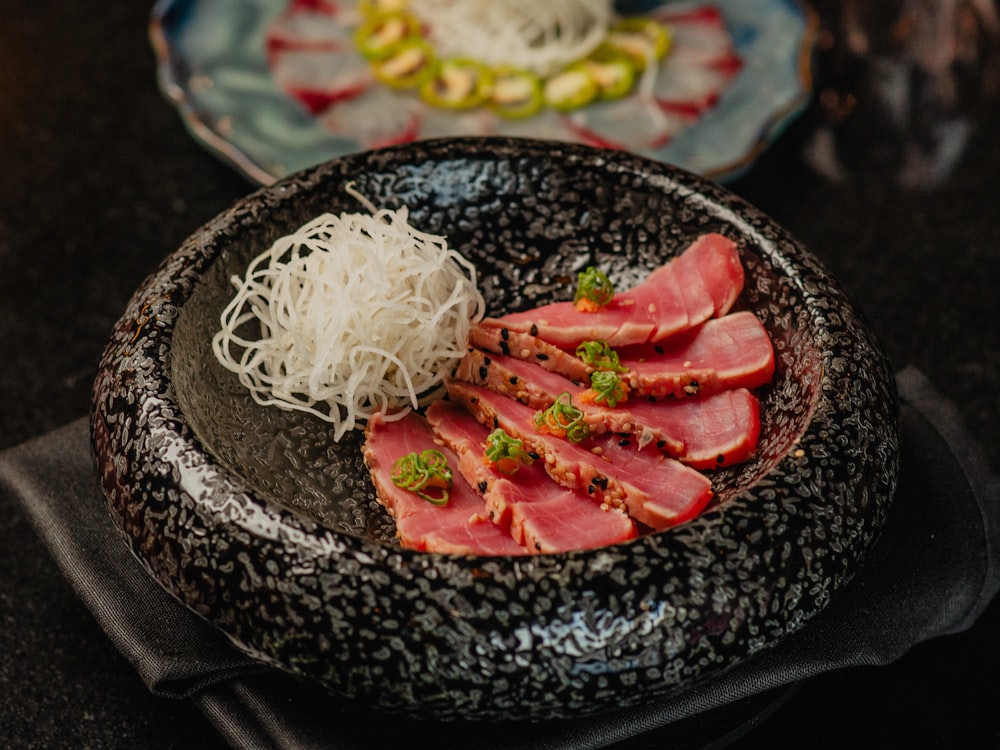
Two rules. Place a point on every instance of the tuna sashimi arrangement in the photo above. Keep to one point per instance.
(584, 423)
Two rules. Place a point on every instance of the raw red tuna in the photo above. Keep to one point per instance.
(654, 489)
(711, 264)
(703, 281)
(705, 432)
(733, 351)
(540, 514)
(461, 525)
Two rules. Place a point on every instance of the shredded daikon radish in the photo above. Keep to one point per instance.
(356, 314)
(540, 35)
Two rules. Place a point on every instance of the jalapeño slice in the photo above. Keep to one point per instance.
(408, 64)
(517, 93)
(571, 88)
(612, 70)
(642, 39)
(457, 83)
(379, 36)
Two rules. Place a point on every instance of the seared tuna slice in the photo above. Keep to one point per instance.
(733, 351)
(459, 526)
(703, 281)
(705, 432)
(489, 336)
(712, 266)
(655, 490)
(560, 524)
(717, 430)
(540, 514)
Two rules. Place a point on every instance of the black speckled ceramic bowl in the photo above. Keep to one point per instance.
(254, 518)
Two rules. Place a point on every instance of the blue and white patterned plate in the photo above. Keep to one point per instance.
(220, 64)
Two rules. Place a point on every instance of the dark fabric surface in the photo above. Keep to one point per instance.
(933, 572)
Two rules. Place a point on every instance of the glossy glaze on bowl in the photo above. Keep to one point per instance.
(255, 519)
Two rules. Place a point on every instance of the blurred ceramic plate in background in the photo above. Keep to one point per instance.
(256, 82)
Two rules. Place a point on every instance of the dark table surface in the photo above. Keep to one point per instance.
(99, 181)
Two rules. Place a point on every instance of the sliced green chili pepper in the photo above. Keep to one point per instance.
(594, 286)
(425, 474)
(608, 387)
(600, 356)
(572, 88)
(406, 65)
(505, 452)
(371, 7)
(563, 419)
(380, 35)
(457, 83)
(642, 39)
(612, 70)
(517, 93)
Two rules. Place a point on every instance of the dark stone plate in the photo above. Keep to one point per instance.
(254, 518)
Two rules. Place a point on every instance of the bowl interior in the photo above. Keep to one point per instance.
(529, 222)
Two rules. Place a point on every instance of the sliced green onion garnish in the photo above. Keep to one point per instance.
(595, 286)
(426, 474)
(563, 419)
(600, 356)
(505, 452)
(608, 387)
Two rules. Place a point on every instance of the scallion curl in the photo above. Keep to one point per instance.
(563, 419)
(426, 474)
(506, 453)
(599, 355)
(594, 289)
(608, 387)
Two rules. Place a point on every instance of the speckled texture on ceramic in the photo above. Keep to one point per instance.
(255, 519)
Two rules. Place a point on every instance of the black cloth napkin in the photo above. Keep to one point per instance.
(934, 570)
